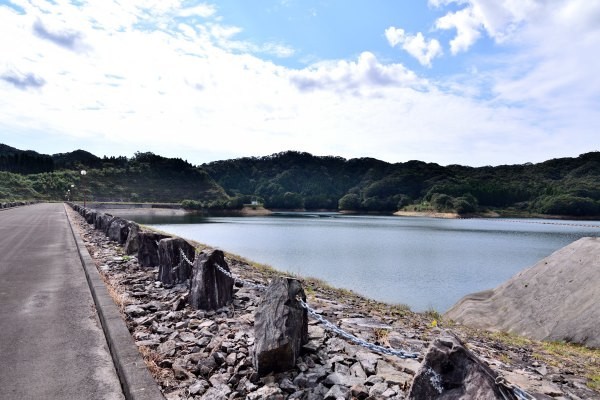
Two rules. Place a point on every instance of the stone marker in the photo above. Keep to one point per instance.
(173, 268)
(450, 371)
(90, 216)
(118, 230)
(210, 289)
(148, 248)
(98, 220)
(132, 244)
(105, 222)
(280, 327)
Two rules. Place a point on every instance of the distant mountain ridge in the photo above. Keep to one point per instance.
(298, 180)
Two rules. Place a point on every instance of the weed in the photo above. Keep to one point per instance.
(433, 314)
(382, 336)
(151, 358)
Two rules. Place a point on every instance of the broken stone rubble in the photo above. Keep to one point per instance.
(207, 354)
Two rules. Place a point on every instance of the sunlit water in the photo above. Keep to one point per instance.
(425, 263)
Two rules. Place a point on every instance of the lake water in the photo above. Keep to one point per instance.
(425, 263)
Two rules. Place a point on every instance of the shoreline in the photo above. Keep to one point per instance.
(167, 209)
(509, 355)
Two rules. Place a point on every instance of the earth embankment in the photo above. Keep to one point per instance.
(556, 299)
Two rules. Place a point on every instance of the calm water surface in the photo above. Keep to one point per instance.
(422, 262)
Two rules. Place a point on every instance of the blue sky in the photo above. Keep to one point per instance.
(473, 82)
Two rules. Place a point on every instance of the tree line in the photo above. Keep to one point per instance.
(295, 180)
(299, 180)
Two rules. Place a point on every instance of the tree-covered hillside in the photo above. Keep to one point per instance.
(294, 180)
(566, 186)
(146, 177)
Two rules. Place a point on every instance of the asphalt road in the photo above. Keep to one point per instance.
(51, 342)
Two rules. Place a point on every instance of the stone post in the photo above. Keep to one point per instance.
(132, 244)
(172, 267)
(148, 248)
(451, 371)
(210, 289)
(280, 327)
(118, 230)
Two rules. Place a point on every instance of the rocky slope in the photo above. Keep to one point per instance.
(207, 355)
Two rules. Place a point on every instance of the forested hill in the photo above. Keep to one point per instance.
(294, 180)
(565, 186)
(146, 177)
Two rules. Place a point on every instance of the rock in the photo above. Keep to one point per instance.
(268, 392)
(357, 370)
(167, 348)
(98, 221)
(198, 388)
(280, 327)
(338, 393)
(335, 378)
(392, 375)
(118, 230)
(90, 216)
(451, 371)
(210, 288)
(148, 248)
(134, 310)
(367, 360)
(287, 385)
(172, 267)
(104, 222)
(220, 392)
(555, 300)
(359, 392)
(132, 244)
(378, 389)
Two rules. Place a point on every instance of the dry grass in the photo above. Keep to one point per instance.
(118, 294)
(152, 359)
(382, 336)
(576, 358)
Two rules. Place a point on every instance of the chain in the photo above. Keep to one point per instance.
(519, 393)
(371, 346)
(228, 274)
(185, 257)
(243, 281)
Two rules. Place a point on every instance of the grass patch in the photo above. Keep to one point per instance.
(382, 336)
(577, 358)
(433, 314)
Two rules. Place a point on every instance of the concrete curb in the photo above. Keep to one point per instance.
(136, 381)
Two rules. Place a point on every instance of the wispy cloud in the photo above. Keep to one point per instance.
(23, 81)
(69, 39)
(200, 10)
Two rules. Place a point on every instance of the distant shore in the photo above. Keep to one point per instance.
(173, 209)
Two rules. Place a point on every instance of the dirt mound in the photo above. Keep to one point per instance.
(556, 299)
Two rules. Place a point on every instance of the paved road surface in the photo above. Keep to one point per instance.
(51, 342)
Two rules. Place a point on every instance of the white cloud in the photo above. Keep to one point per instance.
(201, 10)
(153, 82)
(365, 73)
(415, 45)
(467, 27)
